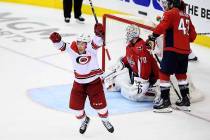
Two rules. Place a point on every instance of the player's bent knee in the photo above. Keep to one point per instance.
(79, 114)
(103, 113)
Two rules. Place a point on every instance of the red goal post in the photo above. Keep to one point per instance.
(121, 19)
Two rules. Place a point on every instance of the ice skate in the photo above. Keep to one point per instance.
(108, 126)
(162, 106)
(183, 104)
(84, 125)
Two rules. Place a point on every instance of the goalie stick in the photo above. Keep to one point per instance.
(96, 19)
(106, 76)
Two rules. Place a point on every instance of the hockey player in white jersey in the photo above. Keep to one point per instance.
(87, 82)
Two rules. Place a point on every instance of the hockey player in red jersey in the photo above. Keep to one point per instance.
(178, 32)
(87, 73)
(142, 67)
(191, 57)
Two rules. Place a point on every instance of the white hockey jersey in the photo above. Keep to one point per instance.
(86, 67)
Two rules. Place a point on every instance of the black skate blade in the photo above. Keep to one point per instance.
(183, 108)
(194, 59)
(164, 110)
(82, 131)
(111, 130)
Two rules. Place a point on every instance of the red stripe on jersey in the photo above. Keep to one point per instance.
(91, 74)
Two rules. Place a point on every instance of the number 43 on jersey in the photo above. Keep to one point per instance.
(184, 25)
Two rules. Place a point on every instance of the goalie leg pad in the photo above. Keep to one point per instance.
(114, 81)
(141, 85)
(139, 91)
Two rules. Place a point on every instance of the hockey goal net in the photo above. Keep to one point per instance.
(115, 45)
(115, 39)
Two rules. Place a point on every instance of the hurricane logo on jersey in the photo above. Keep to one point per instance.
(83, 59)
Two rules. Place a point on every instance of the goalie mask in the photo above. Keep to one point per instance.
(132, 31)
(168, 4)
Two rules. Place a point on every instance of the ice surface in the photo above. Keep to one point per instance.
(36, 64)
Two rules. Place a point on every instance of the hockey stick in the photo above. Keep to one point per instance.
(96, 19)
(114, 71)
(203, 33)
(93, 11)
(170, 80)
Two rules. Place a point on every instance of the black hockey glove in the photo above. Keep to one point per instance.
(150, 42)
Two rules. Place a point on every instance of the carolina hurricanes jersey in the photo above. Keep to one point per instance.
(86, 67)
(140, 60)
(178, 31)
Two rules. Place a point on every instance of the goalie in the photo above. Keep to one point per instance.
(136, 73)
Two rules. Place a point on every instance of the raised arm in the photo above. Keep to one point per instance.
(98, 39)
(58, 43)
